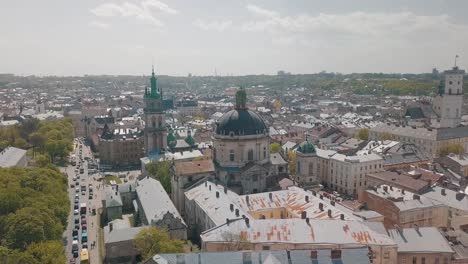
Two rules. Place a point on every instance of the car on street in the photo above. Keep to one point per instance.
(83, 220)
(84, 245)
(76, 212)
(77, 221)
(72, 261)
(76, 207)
(75, 237)
(77, 190)
(83, 193)
(90, 197)
(74, 232)
(84, 227)
(77, 226)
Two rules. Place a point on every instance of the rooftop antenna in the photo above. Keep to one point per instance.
(456, 57)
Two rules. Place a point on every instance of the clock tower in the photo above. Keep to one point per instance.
(155, 125)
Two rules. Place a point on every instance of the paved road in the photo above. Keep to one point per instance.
(94, 203)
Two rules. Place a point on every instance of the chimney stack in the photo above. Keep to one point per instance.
(342, 216)
(402, 191)
(314, 193)
(217, 194)
(225, 189)
(321, 197)
(111, 227)
(231, 207)
(209, 187)
(206, 184)
(442, 191)
(415, 197)
(321, 206)
(271, 196)
(307, 221)
(227, 221)
(303, 214)
(237, 212)
(385, 188)
(330, 213)
(332, 203)
(247, 222)
(307, 198)
(247, 199)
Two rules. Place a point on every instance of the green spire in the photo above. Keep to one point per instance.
(189, 139)
(171, 139)
(241, 98)
(153, 93)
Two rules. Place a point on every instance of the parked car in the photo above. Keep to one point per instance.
(83, 193)
(90, 197)
(72, 185)
(77, 190)
(76, 207)
(84, 245)
(77, 221)
(75, 232)
(76, 212)
(77, 226)
(84, 227)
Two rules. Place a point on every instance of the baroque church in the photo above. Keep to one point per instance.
(241, 151)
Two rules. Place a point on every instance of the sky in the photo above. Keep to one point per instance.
(201, 37)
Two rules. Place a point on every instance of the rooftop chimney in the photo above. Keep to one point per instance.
(314, 193)
(342, 216)
(209, 187)
(206, 184)
(307, 220)
(231, 207)
(330, 213)
(237, 212)
(307, 198)
(217, 194)
(303, 214)
(227, 221)
(247, 199)
(271, 196)
(225, 189)
(111, 227)
(415, 197)
(402, 191)
(321, 197)
(442, 191)
(321, 206)
(247, 222)
(332, 203)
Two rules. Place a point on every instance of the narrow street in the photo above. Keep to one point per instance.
(77, 182)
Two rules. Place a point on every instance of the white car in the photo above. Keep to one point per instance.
(76, 212)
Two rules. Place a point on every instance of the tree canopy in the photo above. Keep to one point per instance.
(452, 148)
(54, 138)
(275, 147)
(151, 241)
(363, 134)
(161, 171)
(34, 207)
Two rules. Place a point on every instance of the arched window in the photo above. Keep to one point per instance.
(450, 90)
(231, 155)
(311, 168)
(250, 155)
(153, 121)
(298, 167)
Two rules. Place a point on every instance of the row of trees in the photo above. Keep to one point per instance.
(51, 138)
(34, 206)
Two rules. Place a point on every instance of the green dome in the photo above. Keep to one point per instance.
(306, 148)
(189, 139)
(171, 139)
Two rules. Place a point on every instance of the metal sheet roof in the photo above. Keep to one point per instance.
(11, 156)
(423, 239)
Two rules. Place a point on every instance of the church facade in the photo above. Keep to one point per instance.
(241, 150)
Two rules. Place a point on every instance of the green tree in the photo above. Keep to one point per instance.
(292, 162)
(47, 252)
(363, 134)
(161, 171)
(43, 160)
(452, 148)
(275, 147)
(151, 241)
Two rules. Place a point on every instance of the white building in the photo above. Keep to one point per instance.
(449, 100)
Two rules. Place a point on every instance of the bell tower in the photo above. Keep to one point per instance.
(155, 124)
(449, 99)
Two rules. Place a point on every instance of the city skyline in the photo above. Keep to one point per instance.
(124, 37)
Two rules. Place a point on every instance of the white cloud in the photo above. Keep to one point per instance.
(401, 25)
(220, 26)
(99, 24)
(159, 5)
(143, 11)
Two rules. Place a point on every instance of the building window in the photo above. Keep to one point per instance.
(403, 260)
(436, 260)
(250, 155)
(415, 260)
(311, 168)
(423, 260)
(231, 155)
(298, 167)
(446, 260)
(264, 152)
(254, 178)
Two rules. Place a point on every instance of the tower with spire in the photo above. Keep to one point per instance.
(155, 125)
